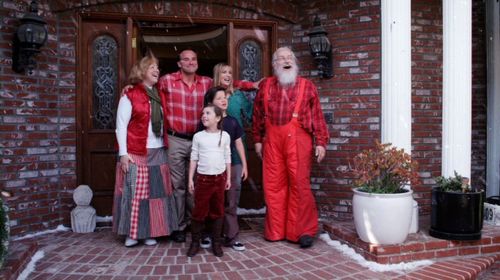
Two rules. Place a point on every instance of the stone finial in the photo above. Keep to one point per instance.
(82, 195)
(83, 217)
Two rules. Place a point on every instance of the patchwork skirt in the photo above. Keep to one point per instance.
(144, 205)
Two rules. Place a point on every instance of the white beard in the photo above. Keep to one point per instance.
(286, 78)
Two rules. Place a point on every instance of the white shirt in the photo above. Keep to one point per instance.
(123, 116)
(211, 157)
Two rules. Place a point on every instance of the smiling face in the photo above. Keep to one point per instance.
(225, 76)
(151, 75)
(285, 66)
(220, 100)
(188, 62)
(209, 118)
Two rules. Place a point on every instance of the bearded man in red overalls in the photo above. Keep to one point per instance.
(287, 117)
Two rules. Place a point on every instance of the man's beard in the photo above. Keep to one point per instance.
(286, 78)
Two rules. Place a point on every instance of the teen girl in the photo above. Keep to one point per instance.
(218, 97)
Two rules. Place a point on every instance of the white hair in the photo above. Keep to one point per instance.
(285, 78)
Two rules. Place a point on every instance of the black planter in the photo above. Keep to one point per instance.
(456, 216)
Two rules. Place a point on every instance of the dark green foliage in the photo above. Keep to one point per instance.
(4, 232)
(450, 184)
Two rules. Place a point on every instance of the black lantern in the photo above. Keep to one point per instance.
(28, 39)
(321, 49)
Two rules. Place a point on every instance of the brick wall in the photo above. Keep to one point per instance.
(38, 146)
(479, 94)
(351, 99)
(427, 49)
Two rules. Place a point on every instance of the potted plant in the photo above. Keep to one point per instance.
(382, 206)
(456, 209)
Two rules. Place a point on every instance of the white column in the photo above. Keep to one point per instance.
(457, 57)
(493, 87)
(396, 73)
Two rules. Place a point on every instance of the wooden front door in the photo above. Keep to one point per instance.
(101, 76)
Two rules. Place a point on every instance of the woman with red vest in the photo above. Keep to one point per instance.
(144, 206)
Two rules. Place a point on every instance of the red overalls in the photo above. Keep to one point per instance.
(287, 154)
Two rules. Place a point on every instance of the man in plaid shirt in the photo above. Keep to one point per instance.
(287, 117)
(184, 91)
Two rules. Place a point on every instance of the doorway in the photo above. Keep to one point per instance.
(116, 42)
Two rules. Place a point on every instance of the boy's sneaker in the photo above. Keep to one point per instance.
(206, 243)
(238, 246)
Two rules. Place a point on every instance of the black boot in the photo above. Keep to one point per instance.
(217, 237)
(195, 238)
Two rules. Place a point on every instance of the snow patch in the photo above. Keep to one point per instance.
(100, 219)
(31, 265)
(59, 228)
(348, 251)
(243, 211)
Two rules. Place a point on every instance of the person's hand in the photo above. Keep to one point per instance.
(257, 83)
(125, 89)
(191, 186)
(244, 173)
(258, 149)
(320, 153)
(228, 184)
(125, 161)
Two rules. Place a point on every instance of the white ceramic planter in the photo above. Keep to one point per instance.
(382, 218)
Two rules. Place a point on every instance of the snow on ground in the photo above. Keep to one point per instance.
(59, 228)
(346, 250)
(100, 219)
(243, 211)
(31, 265)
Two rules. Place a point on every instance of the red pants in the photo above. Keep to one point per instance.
(291, 208)
(209, 196)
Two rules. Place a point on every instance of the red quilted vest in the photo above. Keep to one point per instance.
(137, 130)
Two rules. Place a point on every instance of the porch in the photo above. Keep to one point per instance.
(100, 255)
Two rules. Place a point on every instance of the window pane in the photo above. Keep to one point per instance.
(104, 82)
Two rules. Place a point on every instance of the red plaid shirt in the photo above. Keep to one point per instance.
(184, 103)
(281, 102)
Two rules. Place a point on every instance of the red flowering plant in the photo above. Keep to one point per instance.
(384, 169)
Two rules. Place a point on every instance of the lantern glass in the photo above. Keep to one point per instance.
(30, 36)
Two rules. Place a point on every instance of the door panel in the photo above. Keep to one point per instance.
(102, 56)
(250, 55)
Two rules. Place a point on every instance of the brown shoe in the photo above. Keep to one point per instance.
(196, 228)
(217, 239)
(193, 249)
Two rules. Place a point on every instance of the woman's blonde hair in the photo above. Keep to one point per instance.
(140, 68)
(218, 68)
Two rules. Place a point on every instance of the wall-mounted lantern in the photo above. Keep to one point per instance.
(28, 39)
(320, 48)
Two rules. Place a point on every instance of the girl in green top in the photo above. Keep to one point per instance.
(239, 107)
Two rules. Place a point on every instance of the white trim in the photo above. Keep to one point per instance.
(396, 73)
(457, 87)
(493, 89)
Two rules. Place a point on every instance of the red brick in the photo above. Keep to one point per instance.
(446, 253)
(468, 251)
(430, 245)
(490, 249)
(412, 247)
